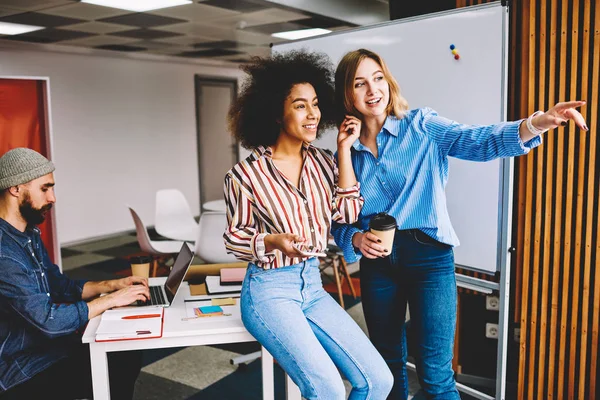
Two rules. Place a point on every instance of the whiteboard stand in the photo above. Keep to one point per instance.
(487, 287)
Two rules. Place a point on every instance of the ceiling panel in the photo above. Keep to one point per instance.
(210, 53)
(236, 5)
(194, 12)
(224, 30)
(8, 11)
(50, 35)
(267, 16)
(94, 41)
(146, 34)
(121, 47)
(187, 40)
(34, 5)
(97, 27)
(88, 12)
(142, 20)
(38, 19)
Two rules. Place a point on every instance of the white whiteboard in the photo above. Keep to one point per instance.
(471, 90)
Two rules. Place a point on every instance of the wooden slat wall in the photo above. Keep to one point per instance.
(555, 56)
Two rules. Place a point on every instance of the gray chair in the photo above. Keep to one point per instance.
(162, 249)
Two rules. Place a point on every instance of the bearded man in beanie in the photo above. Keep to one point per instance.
(41, 310)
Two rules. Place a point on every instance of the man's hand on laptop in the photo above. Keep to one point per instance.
(118, 284)
(122, 297)
(129, 295)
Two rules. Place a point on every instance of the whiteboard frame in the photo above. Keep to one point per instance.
(505, 199)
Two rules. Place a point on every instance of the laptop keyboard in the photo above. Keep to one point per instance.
(156, 297)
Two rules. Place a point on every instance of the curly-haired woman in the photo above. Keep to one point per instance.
(280, 203)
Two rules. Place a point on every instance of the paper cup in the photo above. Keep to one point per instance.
(140, 266)
(383, 226)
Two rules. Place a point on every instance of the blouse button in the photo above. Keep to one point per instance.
(48, 294)
(312, 229)
(305, 201)
(42, 274)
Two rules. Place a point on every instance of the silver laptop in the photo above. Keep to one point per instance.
(163, 295)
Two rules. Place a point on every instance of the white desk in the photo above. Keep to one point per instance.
(215, 205)
(178, 333)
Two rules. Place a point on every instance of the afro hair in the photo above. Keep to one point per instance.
(254, 118)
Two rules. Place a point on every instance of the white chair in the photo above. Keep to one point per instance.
(162, 249)
(174, 219)
(211, 248)
(209, 244)
(214, 205)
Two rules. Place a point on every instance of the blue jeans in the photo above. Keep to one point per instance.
(419, 271)
(310, 335)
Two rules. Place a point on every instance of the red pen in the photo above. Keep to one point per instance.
(141, 316)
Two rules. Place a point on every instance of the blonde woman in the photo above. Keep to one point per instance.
(401, 162)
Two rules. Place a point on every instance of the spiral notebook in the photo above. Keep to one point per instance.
(131, 324)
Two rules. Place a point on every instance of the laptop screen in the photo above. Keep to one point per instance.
(180, 267)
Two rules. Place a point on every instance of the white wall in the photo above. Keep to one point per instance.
(122, 129)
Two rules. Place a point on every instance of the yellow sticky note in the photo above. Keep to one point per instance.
(229, 301)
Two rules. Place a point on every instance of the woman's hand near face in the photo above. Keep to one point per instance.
(348, 133)
(369, 245)
(284, 242)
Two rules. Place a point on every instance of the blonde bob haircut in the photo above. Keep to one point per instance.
(344, 85)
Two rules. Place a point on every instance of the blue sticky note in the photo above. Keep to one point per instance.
(210, 309)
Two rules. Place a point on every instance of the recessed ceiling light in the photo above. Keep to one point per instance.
(300, 34)
(138, 5)
(7, 28)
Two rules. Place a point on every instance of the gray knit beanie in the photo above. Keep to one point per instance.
(22, 165)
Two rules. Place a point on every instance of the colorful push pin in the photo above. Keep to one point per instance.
(456, 56)
(452, 47)
(455, 51)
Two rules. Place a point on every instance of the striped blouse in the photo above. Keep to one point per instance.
(408, 178)
(261, 200)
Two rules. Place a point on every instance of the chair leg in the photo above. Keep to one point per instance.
(157, 262)
(154, 267)
(344, 269)
(336, 275)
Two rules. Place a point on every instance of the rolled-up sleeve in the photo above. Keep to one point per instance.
(347, 202)
(241, 237)
(19, 286)
(475, 142)
(343, 233)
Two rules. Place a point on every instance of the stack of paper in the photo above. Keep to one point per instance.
(213, 286)
(130, 323)
(232, 276)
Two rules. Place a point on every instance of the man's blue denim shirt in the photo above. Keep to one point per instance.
(40, 308)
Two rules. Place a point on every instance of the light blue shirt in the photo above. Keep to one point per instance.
(408, 178)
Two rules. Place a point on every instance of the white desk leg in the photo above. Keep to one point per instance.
(292, 392)
(268, 379)
(99, 362)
